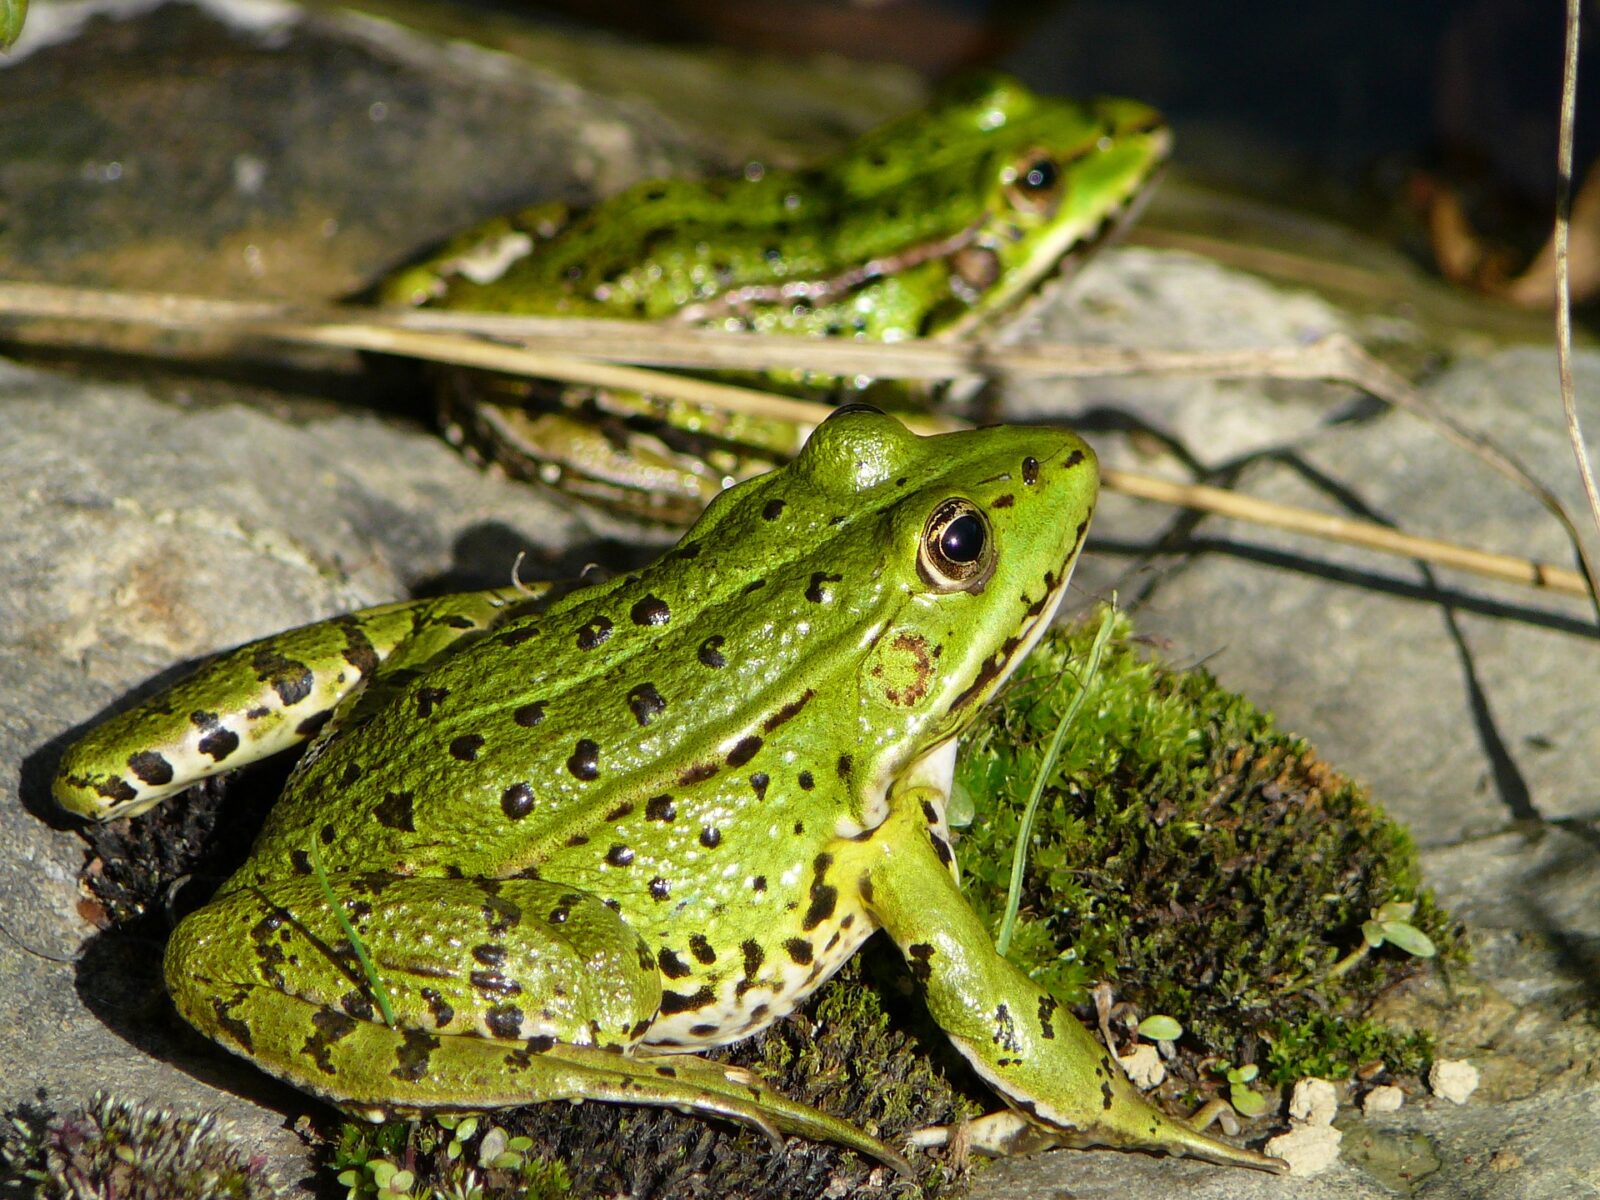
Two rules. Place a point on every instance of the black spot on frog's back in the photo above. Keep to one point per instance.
(414, 1054)
(585, 760)
(673, 1003)
(504, 1021)
(292, 680)
(517, 801)
(465, 748)
(596, 632)
(652, 610)
(395, 811)
(646, 703)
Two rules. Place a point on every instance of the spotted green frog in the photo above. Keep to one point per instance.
(929, 226)
(583, 835)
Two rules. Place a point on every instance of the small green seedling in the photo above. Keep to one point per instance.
(377, 1179)
(461, 1129)
(1246, 1101)
(1390, 924)
(1160, 1028)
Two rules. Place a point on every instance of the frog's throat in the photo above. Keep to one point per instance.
(824, 290)
(934, 767)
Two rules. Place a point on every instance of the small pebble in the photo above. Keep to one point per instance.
(1144, 1066)
(1314, 1101)
(1308, 1149)
(1385, 1099)
(1453, 1079)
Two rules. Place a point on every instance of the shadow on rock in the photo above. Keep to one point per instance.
(119, 980)
(1573, 865)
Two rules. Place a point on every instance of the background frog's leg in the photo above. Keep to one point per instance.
(504, 992)
(264, 697)
(1024, 1044)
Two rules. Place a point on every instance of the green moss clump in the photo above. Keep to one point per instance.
(1209, 866)
(113, 1148)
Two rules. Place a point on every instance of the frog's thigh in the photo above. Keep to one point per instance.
(1033, 1052)
(504, 992)
(482, 977)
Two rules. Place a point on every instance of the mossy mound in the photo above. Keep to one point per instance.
(862, 1049)
(1206, 865)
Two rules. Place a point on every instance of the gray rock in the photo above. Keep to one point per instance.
(1463, 704)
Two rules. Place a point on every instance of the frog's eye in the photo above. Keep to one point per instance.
(957, 550)
(1033, 182)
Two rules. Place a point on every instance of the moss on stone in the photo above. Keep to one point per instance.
(1208, 866)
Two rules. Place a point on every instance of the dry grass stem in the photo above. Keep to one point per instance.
(1352, 532)
(481, 340)
(1569, 405)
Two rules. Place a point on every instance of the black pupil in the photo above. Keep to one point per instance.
(962, 539)
(1040, 176)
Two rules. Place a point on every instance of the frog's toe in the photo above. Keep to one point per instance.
(996, 1135)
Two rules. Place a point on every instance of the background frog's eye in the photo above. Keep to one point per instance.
(957, 551)
(1034, 182)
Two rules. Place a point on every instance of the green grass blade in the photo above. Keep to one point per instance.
(379, 992)
(1019, 855)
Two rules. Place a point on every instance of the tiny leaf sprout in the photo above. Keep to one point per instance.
(1160, 1028)
(1390, 924)
(1247, 1102)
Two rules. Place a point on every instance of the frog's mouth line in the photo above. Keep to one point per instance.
(991, 675)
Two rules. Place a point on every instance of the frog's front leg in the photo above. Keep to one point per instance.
(264, 697)
(1018, 1037)
(500, 992)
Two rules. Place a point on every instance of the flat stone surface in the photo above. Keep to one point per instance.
(148, 525)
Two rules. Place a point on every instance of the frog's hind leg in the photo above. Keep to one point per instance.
(495, 993)
(264, 697)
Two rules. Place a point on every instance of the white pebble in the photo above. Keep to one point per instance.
(1314, 1101)
(1144, 1066)
(1385, 1099)
(1453, 1079)
(1308, 1149)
